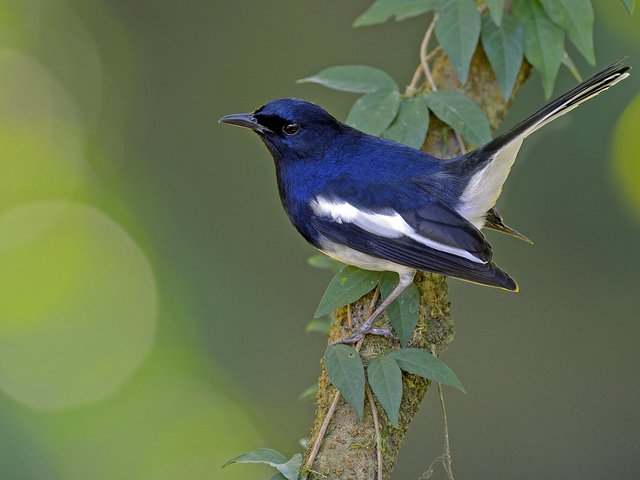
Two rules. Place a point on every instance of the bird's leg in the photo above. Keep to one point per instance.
(405, 280)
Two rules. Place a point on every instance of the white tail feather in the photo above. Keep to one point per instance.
(484, 187)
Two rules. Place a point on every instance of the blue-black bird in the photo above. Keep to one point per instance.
(380, 205)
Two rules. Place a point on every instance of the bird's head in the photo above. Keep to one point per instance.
(292, 129)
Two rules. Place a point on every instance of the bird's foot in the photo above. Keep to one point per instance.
(361, 332)
(367, 327)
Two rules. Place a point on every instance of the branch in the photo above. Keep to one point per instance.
(348, 449)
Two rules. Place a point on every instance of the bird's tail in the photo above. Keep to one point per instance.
(488, 274)
(487, 167)
(582, 92)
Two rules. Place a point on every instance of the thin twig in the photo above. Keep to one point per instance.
(424, 46)
(322, 433)
(376, 426)
(334, 402)
(420, 69)
(413, 86)
(433, 53)
(446, 453)
(424, 61)
(463, 148)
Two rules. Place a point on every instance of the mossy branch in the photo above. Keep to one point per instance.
(348, 449)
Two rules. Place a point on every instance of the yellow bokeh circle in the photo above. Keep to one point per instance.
(626, 151)
(41, 134)
(77, 304)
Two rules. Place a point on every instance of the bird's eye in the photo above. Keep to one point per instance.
(291, 128)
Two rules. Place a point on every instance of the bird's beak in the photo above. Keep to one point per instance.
(246, 120)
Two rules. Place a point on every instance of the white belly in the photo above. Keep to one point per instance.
(361, 260)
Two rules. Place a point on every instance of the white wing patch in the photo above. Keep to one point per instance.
(387, 223)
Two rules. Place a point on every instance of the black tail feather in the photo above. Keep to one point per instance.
(494, 221)
(578, 94)
(490, 276)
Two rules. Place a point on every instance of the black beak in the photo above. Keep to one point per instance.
(246, 120)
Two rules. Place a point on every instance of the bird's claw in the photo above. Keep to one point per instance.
(384, 332)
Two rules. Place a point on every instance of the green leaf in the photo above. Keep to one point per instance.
(288, 469)
(309, 393)
(259, 455)
(458, 30)
(412, 122)
(462, 114)
(348, 285)
(496, 9)
(576, 17)
(403, 311)
(372, 113)
(346, 372)
(385, 378)
(504, 47)
(278, 476)
(543, 41)
(353, 78)
(323, 262)
(320, 325)
(422, 363)
(383, 10)
(629, 5)
(291, 469)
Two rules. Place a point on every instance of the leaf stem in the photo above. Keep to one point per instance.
(568, 62)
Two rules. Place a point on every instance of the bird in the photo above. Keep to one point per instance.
(382, 206)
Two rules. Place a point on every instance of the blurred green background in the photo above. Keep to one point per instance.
(153, 296)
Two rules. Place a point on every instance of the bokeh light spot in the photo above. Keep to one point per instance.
(40, 133)
(77, 304)
(172, 421)
(626, 150)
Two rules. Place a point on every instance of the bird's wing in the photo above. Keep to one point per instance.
(430, 236)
